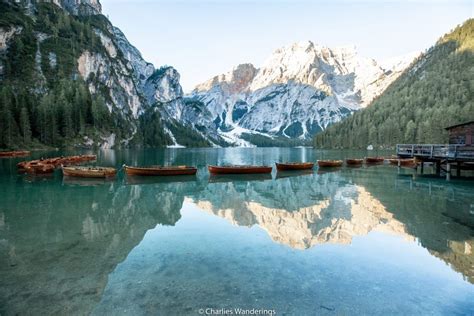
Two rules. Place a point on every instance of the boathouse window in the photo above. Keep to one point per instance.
(461, 134)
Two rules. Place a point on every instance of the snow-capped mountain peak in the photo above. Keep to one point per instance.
(298, 91)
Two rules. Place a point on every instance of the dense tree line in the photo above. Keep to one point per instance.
(435, 92)
(64, 113)
(44, 101)
(154, 134)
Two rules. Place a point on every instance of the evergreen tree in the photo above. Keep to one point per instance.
(435, 92)
(25, 125)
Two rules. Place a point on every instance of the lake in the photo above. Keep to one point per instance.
(350, 241)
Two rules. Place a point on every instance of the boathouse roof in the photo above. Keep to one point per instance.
(457, 125)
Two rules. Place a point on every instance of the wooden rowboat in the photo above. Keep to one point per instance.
(160, 171)
(89, 172)
(239, 169)
(393, 161)
(372, 160)
(287, 166)
(39, 168)
(12, 154)
(354, 162)
(58, 161)
(403, 162)
(329, 163)
(73, 160)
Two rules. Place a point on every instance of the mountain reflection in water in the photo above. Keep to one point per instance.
(59, 242)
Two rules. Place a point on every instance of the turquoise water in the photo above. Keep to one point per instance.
(349, 241)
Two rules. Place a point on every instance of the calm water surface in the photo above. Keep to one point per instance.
(350, 241)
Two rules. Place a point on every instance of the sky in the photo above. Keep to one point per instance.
(204, 38)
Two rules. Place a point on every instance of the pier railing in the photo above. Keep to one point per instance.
(436, 151)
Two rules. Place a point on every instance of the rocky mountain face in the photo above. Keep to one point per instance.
(136, 94)
(420, 104)
(299, 91)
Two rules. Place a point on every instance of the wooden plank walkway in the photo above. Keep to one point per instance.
(434, 152)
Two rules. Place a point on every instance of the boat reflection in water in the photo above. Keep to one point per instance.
(295, 173)
(332, 242)
(86, 181)
(220, 178)
(140, 180)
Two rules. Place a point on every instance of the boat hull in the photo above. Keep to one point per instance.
(393, 161)
(330, 163)
(56, 161)
(40, 168)
(160, 171)
(373, 160)
(89, 172)
(239, 169)
(294, 166)
(354, 162)
(12, 154)
(403, 162)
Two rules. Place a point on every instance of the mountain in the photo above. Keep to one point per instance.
(70, 78)
(299, 91)
(330, 210)
(436, 91)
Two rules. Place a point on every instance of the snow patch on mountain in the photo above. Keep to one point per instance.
(299, 91)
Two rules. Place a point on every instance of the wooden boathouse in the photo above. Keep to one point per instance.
(457, 154)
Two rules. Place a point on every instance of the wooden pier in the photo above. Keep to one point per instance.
(444, 156)
(458, 154)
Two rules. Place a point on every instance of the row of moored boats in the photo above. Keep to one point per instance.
(70, 168)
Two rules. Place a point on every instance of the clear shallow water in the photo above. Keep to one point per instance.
(351, 241)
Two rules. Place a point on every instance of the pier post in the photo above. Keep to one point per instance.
(399, 166)
(458, 169)
(422, 166)
(438, 167)
(448, 171)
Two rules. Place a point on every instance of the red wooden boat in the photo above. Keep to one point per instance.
(373, 160)
(89, 172)
(12, 154)
(330, 163)
(354, 162)
(403, 162)
(22, 165)
(160, 171)
(57, 161)
(393, 161)
(243, 169)
(73, 160)
(287, 166)
(39, 168)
